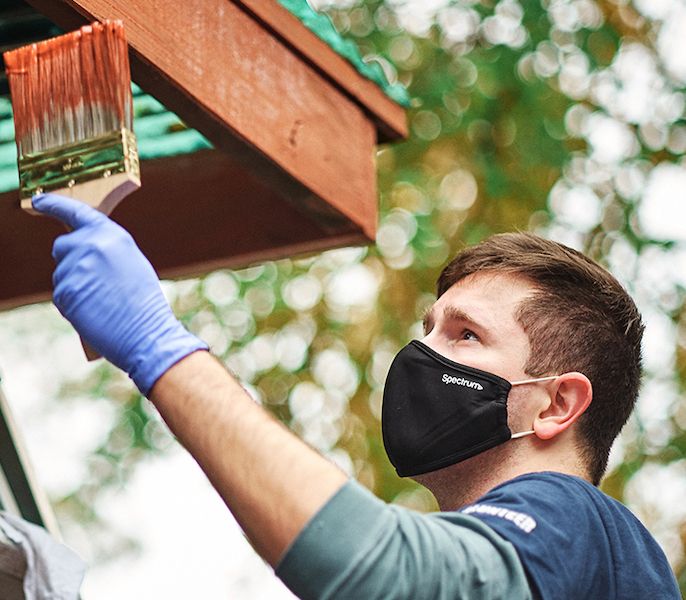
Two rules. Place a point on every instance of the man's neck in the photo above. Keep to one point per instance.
(464, 483)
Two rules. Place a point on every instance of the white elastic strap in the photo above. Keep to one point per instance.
(521, 434)
(534, 380)
(514, 436)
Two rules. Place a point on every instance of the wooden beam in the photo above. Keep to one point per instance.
(195, 212)
(388, 116)
(225, 73)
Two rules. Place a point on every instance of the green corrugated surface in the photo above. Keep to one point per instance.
(161, 133)
(323, 28)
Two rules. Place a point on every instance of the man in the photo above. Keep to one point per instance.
(505, 410)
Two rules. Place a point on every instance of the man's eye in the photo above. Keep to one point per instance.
(469, 335)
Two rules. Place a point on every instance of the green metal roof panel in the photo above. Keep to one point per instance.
(9, 177)
(324, 29)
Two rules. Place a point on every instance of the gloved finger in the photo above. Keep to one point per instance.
(73, 213)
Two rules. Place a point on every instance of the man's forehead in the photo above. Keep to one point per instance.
(492, 284)
(488, 298)
(454, 312)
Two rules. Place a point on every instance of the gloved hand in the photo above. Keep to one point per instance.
(111, 294)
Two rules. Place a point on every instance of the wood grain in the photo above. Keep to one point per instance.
(227, 74)
(388, 116)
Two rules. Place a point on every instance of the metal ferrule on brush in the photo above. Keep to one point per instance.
(72, 164)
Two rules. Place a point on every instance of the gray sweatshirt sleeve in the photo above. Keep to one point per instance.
(358, 547)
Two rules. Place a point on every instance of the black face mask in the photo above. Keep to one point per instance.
(437, 412)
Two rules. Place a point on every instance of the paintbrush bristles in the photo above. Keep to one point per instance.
(70, 88)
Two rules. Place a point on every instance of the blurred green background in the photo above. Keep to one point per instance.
(563, 117)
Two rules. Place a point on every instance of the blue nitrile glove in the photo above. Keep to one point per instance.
(111, 294)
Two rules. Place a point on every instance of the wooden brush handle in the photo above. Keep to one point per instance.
(103, 194)
(90, 353)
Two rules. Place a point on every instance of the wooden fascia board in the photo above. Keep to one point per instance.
(181, 222)
(388, 116)
(225, 73)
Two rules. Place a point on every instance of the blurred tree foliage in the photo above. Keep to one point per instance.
(518, 122)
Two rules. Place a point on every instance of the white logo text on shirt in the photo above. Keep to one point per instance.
(525, 522)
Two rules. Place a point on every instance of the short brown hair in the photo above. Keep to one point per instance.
(579, 319)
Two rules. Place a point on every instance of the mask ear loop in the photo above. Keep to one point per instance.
(522, 434)
(535, 380)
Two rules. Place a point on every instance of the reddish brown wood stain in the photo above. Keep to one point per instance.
(70, 88)
(226, 75)
(386, 114)
(295, 129)
(194, 213)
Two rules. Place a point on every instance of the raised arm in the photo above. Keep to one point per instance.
(271, 481)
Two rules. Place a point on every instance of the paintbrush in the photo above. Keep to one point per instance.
(73, 114)
(71, 98)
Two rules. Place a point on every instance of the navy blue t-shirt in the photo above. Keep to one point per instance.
(574, 541)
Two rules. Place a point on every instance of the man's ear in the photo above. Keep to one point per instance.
(570, 396)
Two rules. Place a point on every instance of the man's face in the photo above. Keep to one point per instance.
(474, 323)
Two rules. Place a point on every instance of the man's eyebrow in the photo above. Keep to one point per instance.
(451, 313)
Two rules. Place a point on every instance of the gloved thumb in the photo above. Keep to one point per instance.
(73, 213)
